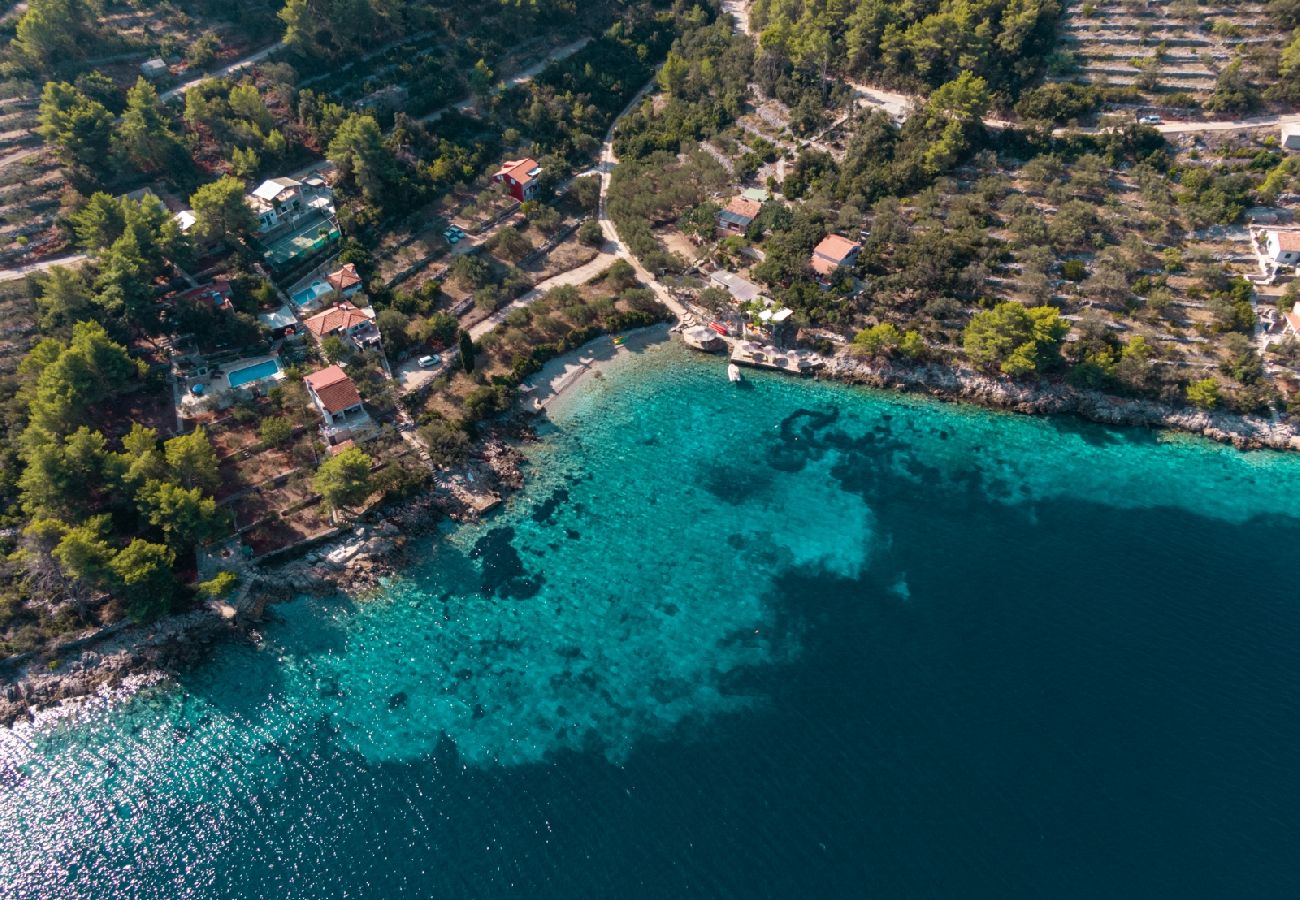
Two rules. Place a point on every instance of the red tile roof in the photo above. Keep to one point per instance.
(742, 207)
(521, 170)
(334, 389)
(335, 318)
(1293, 319)
(831, 253)
(344, 278)
(1288, 240)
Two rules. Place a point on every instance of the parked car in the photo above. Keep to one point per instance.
(1151, 120)
(428, 362)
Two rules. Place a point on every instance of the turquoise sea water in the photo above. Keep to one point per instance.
(786, 640)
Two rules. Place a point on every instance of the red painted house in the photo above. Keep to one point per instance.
(520, 177)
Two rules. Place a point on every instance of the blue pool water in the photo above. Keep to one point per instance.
(792, 641)
(264, 369)
(311, 292)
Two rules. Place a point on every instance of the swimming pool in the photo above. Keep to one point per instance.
(316, 289)
(264, 369)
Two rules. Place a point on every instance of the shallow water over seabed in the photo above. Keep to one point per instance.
(788, 639)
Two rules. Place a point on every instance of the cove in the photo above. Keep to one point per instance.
(790, 640)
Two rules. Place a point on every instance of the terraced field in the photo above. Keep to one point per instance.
(1163, 46)
(30, 184)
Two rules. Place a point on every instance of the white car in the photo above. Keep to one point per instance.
(428, 362)
(1151, 120)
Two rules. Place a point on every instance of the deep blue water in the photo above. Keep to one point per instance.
(790, 641)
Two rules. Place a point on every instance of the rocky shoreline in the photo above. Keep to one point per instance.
(377, 546)
(353, 563)
(1048, 398)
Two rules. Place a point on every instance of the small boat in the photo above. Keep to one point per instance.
(733, 373)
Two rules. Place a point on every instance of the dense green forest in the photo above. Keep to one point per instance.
(918, 46)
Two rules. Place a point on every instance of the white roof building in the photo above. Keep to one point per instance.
(741, 290)
(274, 188)
(1291, 135)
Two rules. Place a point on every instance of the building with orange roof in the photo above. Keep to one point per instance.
(344, 321)
(338, 401)
(737, 215)
(834, 253)
(520, 177)
(1292, 322)
(1283, 247)
(347, 281)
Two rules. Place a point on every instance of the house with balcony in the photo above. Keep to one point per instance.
(295, 219)
(355, 327)
(276, 201)
(338, 401)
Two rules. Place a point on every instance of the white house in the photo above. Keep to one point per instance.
(339, 402)
(1283, 247)
(1291, 136)
(153, 68)
(276, 200)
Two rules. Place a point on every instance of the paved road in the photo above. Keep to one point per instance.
(613, 249)
(411, 375)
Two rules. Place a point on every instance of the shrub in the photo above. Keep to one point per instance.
(1204, 393)
(275, 431)
(591, 234)
(218, 585)
(447, 444)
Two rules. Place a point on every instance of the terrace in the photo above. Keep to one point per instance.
(205, 387)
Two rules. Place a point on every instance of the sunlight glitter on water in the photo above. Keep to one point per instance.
(621, 599)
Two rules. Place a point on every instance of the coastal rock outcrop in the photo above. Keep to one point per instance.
(1049, 398)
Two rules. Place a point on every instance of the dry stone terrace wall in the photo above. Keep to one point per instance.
(1189, 43)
